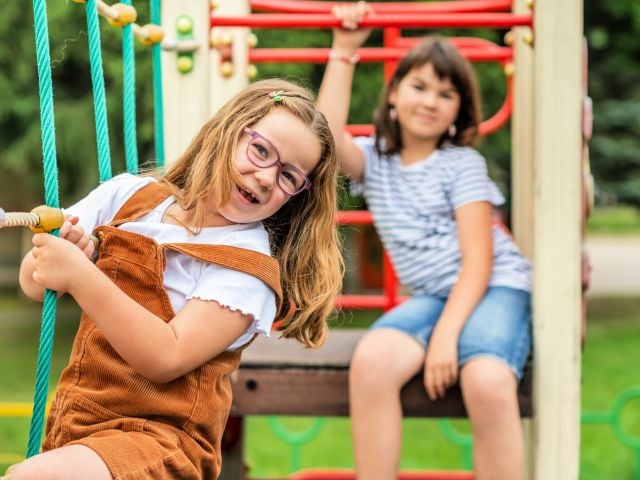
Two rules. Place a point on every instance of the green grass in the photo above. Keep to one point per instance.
(620, 220)
(610, 365)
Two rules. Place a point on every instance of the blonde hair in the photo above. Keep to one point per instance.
(303, 234)
(447, 63)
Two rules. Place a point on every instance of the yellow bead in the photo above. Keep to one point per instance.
(252, 71)
(49, 218)
(226, 69)
(509, 37)
(252, 40)
(528, 38)
(184, 64)
(126, 15)
(213, 39)
(214, 4)
(184, 25)
(151, 34)
(509, 69)
(225, 39)
(530, 4)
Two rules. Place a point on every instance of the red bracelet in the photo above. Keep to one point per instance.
(333, 55)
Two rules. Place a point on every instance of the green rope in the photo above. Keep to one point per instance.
(99, 101)
(52, 199)
(129, 98)
(158, 113)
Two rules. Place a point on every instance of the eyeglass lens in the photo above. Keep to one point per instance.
(263, 154)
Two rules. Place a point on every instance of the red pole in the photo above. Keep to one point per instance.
(390, 36)
(407, 20)
(390, 282)
(297, 6)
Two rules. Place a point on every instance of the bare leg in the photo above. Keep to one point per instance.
(75, 462)
(489, 390)
(383, 362)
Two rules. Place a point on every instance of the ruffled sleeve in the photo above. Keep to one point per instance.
(238, 291)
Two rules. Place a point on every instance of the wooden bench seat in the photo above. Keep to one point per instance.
(280, 377)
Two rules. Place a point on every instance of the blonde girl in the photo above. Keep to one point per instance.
(190, 268)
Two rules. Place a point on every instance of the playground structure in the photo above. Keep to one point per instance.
(547, 139)
(210, 61)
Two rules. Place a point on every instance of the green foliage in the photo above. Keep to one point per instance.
(612, 31)
(20, 145)
(614, 221)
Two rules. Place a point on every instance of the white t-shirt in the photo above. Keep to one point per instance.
(185, 277)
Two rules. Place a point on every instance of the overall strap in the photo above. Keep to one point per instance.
(141, 203)
(259, 265)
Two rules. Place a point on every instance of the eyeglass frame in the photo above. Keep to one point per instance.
(253, 134)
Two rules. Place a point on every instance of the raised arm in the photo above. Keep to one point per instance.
(334, 96)
(156, 349)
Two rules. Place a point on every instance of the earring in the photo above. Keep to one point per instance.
(452, 130)
(393, 114)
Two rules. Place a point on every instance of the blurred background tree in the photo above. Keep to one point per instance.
(612, 30)
(20, 145)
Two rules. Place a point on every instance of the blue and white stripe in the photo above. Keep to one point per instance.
(413, 211)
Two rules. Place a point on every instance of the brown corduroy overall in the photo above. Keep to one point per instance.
(142, 429)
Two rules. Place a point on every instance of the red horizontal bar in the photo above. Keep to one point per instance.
(354, 217)
(374, 54)
(432, 20)
(362, 301)
(297, 6)
(461, 43)
(361, 130)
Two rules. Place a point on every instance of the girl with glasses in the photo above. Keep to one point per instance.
(191, 266)
(468, 318)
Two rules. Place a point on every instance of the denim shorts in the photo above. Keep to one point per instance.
(499, 327)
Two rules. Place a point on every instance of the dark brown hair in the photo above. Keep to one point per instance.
(447, 63)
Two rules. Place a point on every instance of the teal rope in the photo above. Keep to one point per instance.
(158, 121)
(129, 98)
(52, 199)
(99, 101)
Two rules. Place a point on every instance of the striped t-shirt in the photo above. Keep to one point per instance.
(413, 212)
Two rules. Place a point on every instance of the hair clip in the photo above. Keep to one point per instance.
(276, 96)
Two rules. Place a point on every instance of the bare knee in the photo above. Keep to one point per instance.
(368, 368)
(384, 361)
(488, 384)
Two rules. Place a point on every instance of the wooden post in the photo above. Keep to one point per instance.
(185, 95)
(556, 248)
(522, 162)
(522, 136)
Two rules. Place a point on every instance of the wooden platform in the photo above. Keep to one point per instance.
(280, 377)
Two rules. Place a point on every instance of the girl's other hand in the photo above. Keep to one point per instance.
(349, 37)
(75, 234)
(441, 363)
(58, 263)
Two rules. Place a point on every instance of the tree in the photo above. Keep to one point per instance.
(20, 143)
(612, 31)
